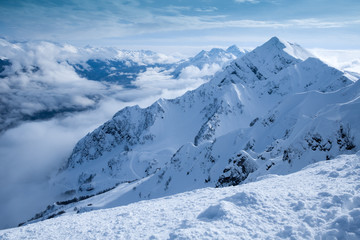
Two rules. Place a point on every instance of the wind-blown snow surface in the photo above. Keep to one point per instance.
(321, 201)
(273, 111)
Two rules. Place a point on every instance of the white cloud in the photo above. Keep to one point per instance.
(250, 1)
(32, 152)
(157, 81)
(40, 80)
(206, 10)
(119, 19)
(345, 60)
(194, 72)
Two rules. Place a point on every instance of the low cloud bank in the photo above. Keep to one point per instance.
(345, 60)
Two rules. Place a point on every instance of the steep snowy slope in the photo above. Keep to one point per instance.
(275, 110)
(321, 201)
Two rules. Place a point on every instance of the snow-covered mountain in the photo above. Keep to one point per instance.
(123, 66)
(273, 111)
(321, 201)
(216, 58)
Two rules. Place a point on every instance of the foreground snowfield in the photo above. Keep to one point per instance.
(322, 201)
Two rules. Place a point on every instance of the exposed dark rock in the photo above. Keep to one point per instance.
(237, 171)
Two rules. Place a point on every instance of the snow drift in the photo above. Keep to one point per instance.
(321, 201)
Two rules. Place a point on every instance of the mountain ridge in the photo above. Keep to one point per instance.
(249, 120)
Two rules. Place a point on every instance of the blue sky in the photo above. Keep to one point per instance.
(178, 24)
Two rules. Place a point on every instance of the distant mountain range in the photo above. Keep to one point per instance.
(42, 80)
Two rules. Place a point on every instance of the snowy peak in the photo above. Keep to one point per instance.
(275, 45)
(213, 53)
(236, 51)
(216, 58)
(297, 51)
(267, 60)
(274, 42)
(233, 48)
(230, 53)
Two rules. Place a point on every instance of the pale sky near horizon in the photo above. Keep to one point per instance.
(179, 24)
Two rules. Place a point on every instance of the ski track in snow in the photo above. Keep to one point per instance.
(132, 168)
(322, 201)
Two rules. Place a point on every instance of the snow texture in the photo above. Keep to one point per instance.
(321, 201)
